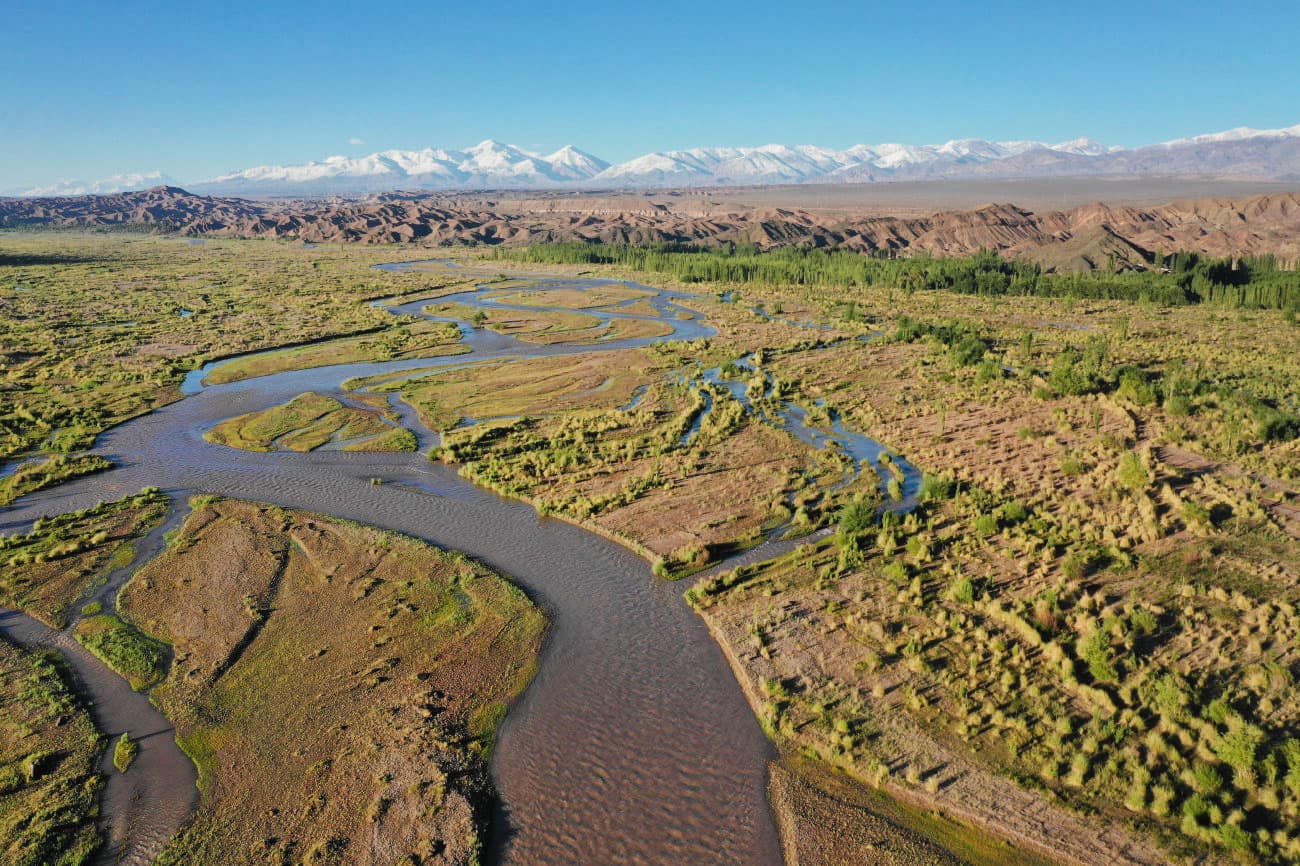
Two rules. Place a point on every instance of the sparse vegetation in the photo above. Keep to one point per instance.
(359, 673)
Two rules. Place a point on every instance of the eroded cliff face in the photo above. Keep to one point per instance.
(1076, 239)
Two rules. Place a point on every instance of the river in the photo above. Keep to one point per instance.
(633, 745)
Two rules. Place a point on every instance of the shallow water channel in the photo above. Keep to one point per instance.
(634, 743)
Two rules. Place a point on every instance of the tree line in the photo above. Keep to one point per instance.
(1180, 278)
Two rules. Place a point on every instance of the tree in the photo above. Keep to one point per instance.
(1132, 473)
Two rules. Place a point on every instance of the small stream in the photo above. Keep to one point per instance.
(142, 808)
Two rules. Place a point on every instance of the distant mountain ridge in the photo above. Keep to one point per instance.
(1240, 153)
(1082, 238)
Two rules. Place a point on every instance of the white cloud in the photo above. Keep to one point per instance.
(356, 141)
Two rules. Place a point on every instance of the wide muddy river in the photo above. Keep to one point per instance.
(634, 744)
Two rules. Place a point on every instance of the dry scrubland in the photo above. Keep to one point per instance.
(102, 327)
(1083, 640)
(1097, 598)
(338, 686)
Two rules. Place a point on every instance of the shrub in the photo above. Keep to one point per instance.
(1207, 779)
(1014, 512)
(1178, 405)
(936, 487)
(1239, 745)
(124, 752)
(1096, 652)
(990, 371)
(1068, 377)
(1135, 385)
(1072, 467)
(968, 351)
(1133, 473)
(855, 517)
(962, 589)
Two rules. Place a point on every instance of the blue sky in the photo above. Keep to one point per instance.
(90, 89)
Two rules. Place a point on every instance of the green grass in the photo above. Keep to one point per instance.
(48, 473)
(308, 422)
(419, 339)
(400, 439)
(95, 334)
(257, 431)
(124, 648)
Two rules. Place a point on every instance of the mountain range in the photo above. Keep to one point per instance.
(1237, 153)
(1081, 238)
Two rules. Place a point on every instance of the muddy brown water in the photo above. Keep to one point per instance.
(633, 745)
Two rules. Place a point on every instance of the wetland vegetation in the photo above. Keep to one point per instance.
(48, 751)
(48, 571)
(310, 421)
(94, 333)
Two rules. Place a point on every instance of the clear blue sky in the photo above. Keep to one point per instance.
(88, 89)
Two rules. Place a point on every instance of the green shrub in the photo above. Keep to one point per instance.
(962, 589)
(968, 351)
(1014, 512)
(124, 752)
(1133, 473)
(1207, 779)
(936, 487)
(855, 517)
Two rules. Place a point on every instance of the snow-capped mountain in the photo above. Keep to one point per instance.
(487, 164)
(1240, 133)
(1242, 152)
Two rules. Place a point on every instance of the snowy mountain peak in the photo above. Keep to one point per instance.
(1240, 133)
(495, 164)
(574, 164)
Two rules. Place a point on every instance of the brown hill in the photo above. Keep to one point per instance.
(1085, 237)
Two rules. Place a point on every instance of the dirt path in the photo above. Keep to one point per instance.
(1277, 498)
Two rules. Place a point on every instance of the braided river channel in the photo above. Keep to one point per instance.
(633, 745)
